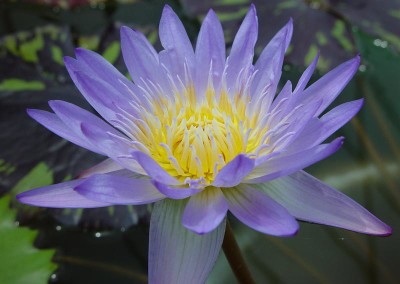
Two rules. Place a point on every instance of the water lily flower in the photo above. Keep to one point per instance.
(200, 134)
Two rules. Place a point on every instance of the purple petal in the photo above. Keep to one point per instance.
(176, 42)
(287, 164)
(269, 64)
(281, 105)
(140, 56)
(329, 86)
(60, 195)
(320, 129)
(298, 121)
(119, 190)
(153, 169)
(95, 65)
(112, 147)
(177, 255)
(242, 52)
(97, 136)
(258, 211)
(176, 192)
(104, 167)
(205, 211)
(56, 125)
(101, 95)
(73, 116)
(305, 77)
(234, 172)
(210, 50)
(309, 199)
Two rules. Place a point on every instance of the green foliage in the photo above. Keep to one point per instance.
(40, 175)
(20, 85)
(20, 262)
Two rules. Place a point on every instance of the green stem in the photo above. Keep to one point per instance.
(235, 258)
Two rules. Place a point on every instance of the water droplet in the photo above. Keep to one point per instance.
(380, 43)
(97, 235)
(362, 68)
(58, 228)
(286, 67)
(377, 42)
(123, 229)
(53, 278)
(16, 223)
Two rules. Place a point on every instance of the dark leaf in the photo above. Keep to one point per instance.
(318, 25)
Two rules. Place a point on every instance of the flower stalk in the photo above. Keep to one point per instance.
(235, 257)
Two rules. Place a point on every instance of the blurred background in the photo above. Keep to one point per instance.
(110, 245)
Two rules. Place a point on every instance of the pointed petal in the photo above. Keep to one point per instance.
(60, 195)
(309, 199)
(177, 255)
(282, 98)
(290, 163)
(119, 190)
(73, 116)
(100, 68)
(242, 52)
(305, 77)
(99, 94)
(258, 211)
(269, 64)
(205, 211)
(210, 50)
(320, 129)
(154, 170)
(139, 55)
(176, 42)
(329, 86)
(176, 192)
(56, 125)
(234, 172)
(121, 87)
(281, 105)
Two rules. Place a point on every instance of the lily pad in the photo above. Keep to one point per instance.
(20, 261)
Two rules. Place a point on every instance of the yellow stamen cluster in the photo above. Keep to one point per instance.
(194, 140)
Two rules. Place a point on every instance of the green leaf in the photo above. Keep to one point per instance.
(20, 85)
(20, 261)
(112, 52)
(40, 175)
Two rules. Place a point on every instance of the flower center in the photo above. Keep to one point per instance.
(193, 139)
